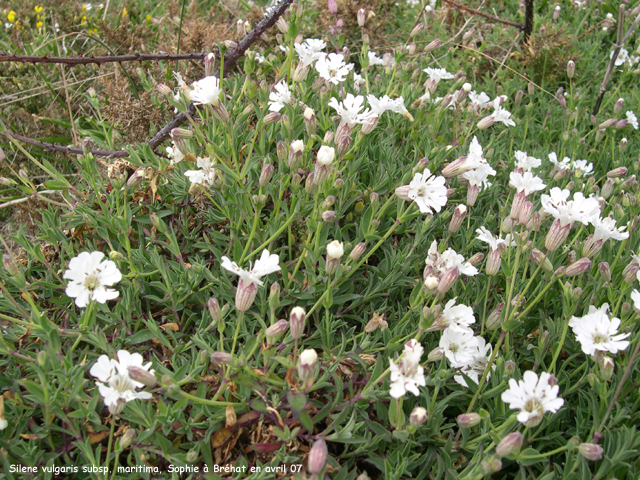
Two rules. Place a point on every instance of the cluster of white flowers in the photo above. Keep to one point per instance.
(333, 68)
(116, 384)
(310, 51)
(279, 97)
(524, 162)
(625, 58)
(576, 165)
(443, 269)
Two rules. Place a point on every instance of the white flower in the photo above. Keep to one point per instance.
(478, 364)
(335, 250)
(326, 155)
(632, 119)
(533, 396)
(206, 175)
(606, 229)
(460, 315)
(349, 109)
(459, 345)
(90, 276)
(373, 59)
(174, 154)
(583, 166)
(437, 264)
(580, 209)
(525, 162)
(280, 97)
(486, 236)
(438, 74)
(479, 176)
(526, 183)
(623, 57)
(501, 115)
(358, 81)
(115, 385)
(596, 332)
(206, 91)
(566, 161)
(264, 266)
(635, 296)
(428, 191)
(407, 375)
(310, 51)
(480, 100)
(333, 68)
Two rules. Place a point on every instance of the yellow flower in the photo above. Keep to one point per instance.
(12, 16)
(39, 24)
(148, 18)
(37, 8)
(124, 12)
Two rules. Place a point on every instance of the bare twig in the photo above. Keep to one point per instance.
(619, 44)
(230, 60)
(528, 20)
(519, 26)
(70, 150)
(101, 60)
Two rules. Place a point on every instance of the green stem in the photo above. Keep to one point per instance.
(106, 461)
(237, 332)
(204, 401)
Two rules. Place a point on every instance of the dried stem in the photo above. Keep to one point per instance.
(528, 20)
(230, 60)
(101, 60)
(59, 148)
(484, 15)
(619, 44)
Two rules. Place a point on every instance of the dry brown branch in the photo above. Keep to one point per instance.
(73, 61)
(70, 150)
(619, 44)
(517, 25)
(230, 60)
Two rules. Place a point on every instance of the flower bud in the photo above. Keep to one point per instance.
(577, 268)
(418, 416)
(276, 329)
(435, 355)
(525, 213)
(357, 251)
(245, 294)
(296, 149)
(571, 69)
(447, 280)
(599, 135)
(493, 320)
(335, 251)
(127, 438)
(221, 358)
(591, 451)
(476, 258)
(458, 216)
(491, 465)
(431, 46)
(139, 374)
(329, 216)
(509, 367)
(281, 151)
(270, 118)
(9, 264)
(361, 17)
(136, 177)
(296, 322)
(607, 366)
(310, 123)
(333, 9)
(494, 260)
(209, 64)
(307, 365)
(416, 30)
(468, 420)
(556, 236)
(509, 444)
(317, 457)
(486, 122)
(617, 108)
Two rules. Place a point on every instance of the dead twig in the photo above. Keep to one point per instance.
(619, 44)
(70, 150)
(101, 60)
(517, 25)
(230, 61)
